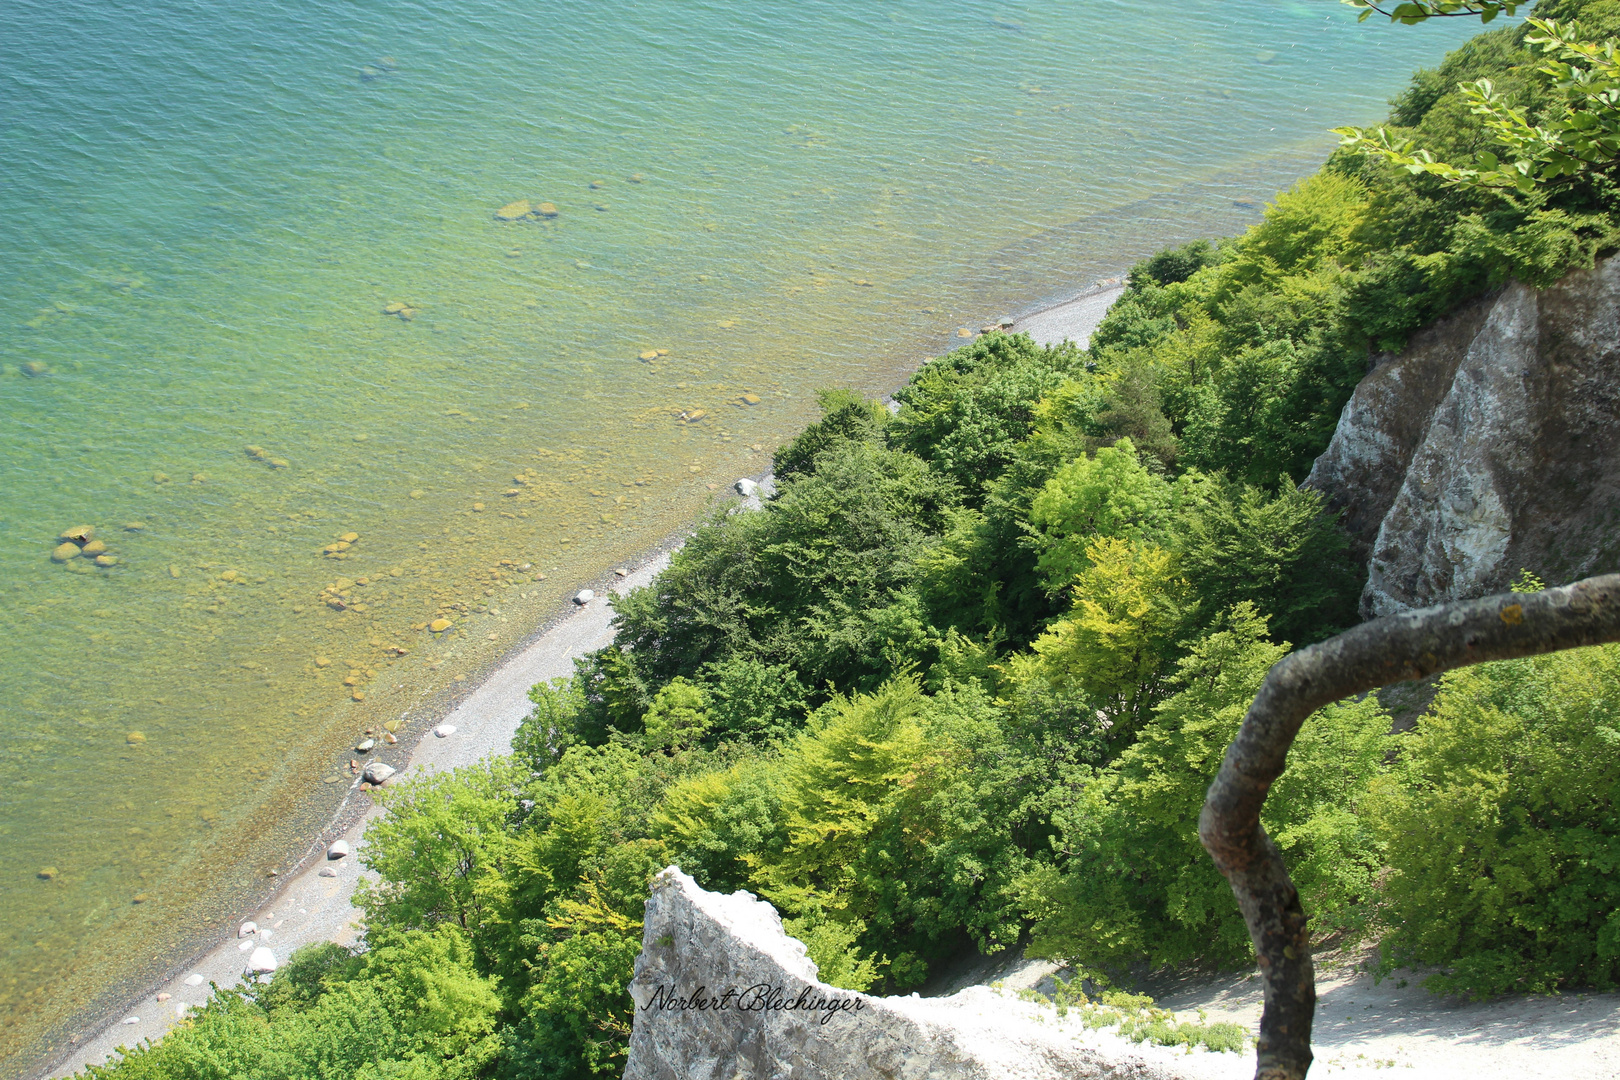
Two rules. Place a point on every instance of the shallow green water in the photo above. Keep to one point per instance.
(207, 208)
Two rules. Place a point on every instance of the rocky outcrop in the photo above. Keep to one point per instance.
(722, 993)
(1490, 445)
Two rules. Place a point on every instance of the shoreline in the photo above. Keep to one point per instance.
(309, 907)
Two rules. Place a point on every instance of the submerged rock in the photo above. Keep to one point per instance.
(514, 211)
(65, 552)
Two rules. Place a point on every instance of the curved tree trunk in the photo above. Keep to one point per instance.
(1392, 649)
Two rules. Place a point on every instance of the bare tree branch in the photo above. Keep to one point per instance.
(1393, 649)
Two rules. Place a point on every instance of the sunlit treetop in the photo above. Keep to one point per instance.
(1577, 133)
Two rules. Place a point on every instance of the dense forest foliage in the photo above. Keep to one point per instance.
(962, 682)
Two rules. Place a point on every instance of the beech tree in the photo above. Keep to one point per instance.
(1397, 648)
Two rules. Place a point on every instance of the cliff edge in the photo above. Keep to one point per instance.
(722, 993)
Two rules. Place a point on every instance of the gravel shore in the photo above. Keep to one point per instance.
(312, 907)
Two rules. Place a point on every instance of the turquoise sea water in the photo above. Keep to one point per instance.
(207, 207)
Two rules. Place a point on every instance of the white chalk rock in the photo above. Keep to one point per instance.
(248, 929)
(377, 773)
(194, 979)
(746, 488)
(584, 596)
(694, 939)
(244, 946)
(261, 962)
(180, 1010)
(338, 850)
(132, 1019)
(444, 731)
(327, 871)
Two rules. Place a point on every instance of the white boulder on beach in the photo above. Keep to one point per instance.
(444, 731)
(338, 850)
(262, 962)
(584, 596)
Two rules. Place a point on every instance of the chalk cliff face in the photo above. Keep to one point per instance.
(1491, 444)
(722, 993)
